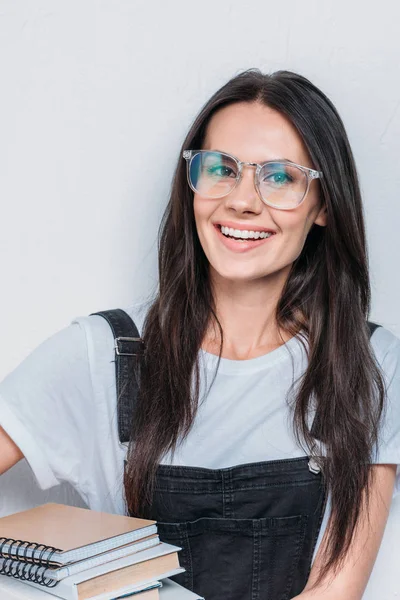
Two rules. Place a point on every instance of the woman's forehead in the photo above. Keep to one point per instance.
(254, 132)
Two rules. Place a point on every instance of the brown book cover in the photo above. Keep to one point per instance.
(12, 589)
(75, 533)
(134, 574)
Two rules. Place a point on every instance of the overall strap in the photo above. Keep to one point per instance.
(129, 348)
(372, 326)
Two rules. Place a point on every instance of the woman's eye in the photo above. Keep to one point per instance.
(221, 171)
(279, 178)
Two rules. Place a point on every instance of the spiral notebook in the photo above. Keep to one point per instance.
(57, 534)
(22, 568)
(118, 577)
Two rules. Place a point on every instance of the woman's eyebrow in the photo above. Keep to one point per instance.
(274, 159)
(279, 159)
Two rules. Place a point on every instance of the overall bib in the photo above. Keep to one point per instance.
(247, 532)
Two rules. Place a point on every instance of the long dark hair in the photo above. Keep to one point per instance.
(326, 297)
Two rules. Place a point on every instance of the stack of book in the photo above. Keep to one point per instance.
(74, 553)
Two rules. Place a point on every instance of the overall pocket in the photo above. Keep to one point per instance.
(238, 559)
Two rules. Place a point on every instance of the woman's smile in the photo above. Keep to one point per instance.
(241, 245)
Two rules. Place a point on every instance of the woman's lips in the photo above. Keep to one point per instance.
(244, 246)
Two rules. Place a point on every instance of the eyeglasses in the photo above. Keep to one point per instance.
(280, 183)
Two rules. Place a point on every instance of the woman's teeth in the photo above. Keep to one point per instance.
(246, 234)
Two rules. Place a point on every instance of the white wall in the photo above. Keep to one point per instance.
(94, 93)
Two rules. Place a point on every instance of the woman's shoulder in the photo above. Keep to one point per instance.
(97, 329)
(384, 341)
(386, 346)
(99, 337)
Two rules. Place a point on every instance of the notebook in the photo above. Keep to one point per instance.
(133, 570)
(57, 534)
(57, 574)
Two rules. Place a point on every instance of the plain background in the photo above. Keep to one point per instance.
(96, 98)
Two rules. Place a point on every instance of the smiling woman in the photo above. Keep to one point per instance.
(276, 477)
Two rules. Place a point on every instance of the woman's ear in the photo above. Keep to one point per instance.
(321, 217)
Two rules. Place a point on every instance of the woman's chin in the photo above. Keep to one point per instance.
(237, 275)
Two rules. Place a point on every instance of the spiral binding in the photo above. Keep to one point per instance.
(19, 561)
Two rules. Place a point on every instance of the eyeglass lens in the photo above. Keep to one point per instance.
(214, 174)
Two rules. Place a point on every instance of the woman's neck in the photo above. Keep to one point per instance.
(246, 312)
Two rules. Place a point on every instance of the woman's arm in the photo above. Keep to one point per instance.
(352, 579)
(10, 454)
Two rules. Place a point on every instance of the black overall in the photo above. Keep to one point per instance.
(247, 532)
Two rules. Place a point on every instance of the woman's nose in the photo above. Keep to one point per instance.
(245, 196)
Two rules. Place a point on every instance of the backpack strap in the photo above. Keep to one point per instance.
(129, 348)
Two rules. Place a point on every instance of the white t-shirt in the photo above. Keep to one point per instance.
(59, 406)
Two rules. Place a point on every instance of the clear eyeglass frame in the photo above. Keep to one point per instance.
(311, 174)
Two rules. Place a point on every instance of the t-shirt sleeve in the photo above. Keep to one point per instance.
(46, 407)
(387, 351)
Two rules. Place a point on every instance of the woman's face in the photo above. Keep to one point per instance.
(254, 133)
